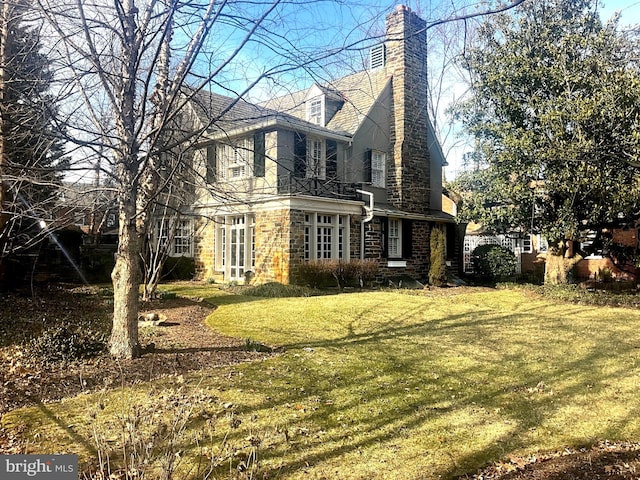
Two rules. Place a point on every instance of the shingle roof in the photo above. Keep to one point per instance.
(359, 92)
(221, 114)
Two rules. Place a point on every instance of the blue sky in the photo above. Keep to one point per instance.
(302, 29)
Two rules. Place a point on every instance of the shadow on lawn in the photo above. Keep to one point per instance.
(516, 370)
(547, 381)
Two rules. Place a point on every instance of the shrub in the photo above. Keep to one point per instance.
(276, 290)
(179, 268)
(62, 344)
(366, 271)
(494, 262)
(438, 264)
(322, 273)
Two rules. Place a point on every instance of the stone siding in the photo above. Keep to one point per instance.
(272, 246)
(204, 250)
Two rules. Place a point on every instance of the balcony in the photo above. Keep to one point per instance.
(328, 188)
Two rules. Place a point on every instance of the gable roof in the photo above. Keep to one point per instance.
(224, 117)
(359, 92)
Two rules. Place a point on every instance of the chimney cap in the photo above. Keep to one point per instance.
(403, 8)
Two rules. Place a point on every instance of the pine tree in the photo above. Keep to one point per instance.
(31, 150)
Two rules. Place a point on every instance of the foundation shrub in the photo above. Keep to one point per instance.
(438, 264)
(324, 273)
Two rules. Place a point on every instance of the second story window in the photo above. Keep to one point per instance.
(316, 164)
(375, 165)
(314, 111)
(378, 164)
(233, 158)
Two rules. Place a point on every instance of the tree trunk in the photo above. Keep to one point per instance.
(559, 262)
(5, 14)
(126, 272)
(126, 285)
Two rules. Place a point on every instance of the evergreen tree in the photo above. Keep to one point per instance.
(438, 267)
(32, 161)
(555, 111)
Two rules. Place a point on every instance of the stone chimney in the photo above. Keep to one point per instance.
(406, 62)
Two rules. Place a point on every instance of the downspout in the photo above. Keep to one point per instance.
(368, 217)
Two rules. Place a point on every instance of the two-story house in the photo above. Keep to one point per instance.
(343, 170)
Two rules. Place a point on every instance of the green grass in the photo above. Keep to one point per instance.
(387, 385)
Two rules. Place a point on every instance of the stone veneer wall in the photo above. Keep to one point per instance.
(409, 172)
(417, 266)
(203, 252)
(272, 246)
(297, 244)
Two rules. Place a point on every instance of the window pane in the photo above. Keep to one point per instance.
(394, 237)
(378, 163)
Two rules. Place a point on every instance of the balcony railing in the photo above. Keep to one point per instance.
(328, 188)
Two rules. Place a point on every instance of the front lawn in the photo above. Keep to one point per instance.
(373, 385)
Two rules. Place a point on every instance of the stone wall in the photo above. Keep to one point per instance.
(272, 246)
(203, 252)
(417, 266)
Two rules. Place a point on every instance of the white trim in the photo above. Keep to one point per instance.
(301, 202)
(287, 123)
(396, 263)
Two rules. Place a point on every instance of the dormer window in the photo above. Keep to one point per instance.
(315, 113)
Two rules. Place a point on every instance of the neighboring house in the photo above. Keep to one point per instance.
(531, 250)
(623, 245)
(345, 170)
(92, 209)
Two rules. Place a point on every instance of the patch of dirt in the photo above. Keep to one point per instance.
(183, 344)
(612, 461)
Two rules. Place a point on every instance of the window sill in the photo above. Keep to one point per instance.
(396, 263)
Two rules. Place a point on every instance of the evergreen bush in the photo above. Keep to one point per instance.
(438, 265)
(493, 262)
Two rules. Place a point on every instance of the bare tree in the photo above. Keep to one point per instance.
(128, 62)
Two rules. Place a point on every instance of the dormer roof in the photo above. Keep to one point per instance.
(358, 91)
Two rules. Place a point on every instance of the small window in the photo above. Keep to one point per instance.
(314, 113)
(233, 158)
(378, 164)
(395, 238)
(526, 244)
(316, 165)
